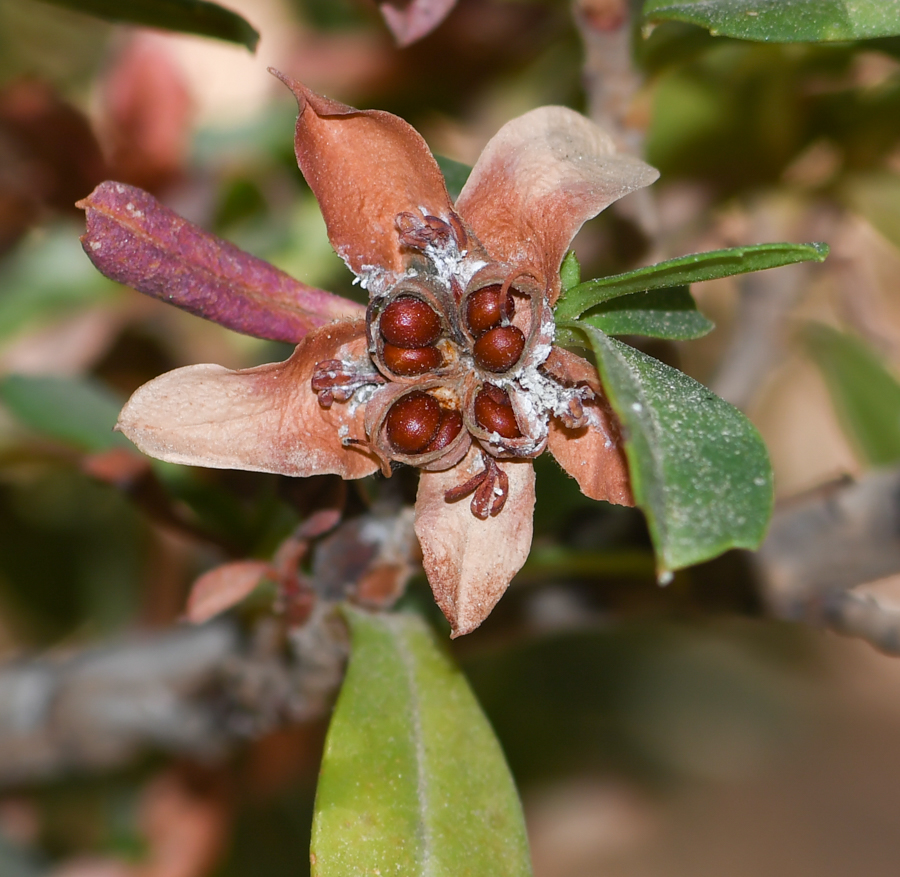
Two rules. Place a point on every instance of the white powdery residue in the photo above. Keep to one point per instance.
(468, 268)
(360, 397)
(343, 431)
(446, 259)
(548, 395)
(95, 245)
(596, 422)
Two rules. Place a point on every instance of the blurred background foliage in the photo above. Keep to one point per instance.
(652, 731)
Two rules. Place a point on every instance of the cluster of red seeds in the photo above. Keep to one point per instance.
(410, 331)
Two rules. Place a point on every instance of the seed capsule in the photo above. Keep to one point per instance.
(484, 311)
(409, 322)
(499, 349)
(451, 425)
(409, 361)
(412, 422)
(494, 412)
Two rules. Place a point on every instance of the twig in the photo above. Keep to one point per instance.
(828, 542)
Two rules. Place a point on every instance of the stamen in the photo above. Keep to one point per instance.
(490, 488)
(336, 381)
(418, 234)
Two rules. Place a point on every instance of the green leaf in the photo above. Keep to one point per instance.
(660, 313)
(184, 16)
(75, 411)
(413, 781)
(685, 270)
(699, 469)
(455, 174)
(865, 394)
(48, 277)
(783, 21)
(569, 272)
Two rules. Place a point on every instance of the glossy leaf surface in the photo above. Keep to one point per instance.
(683, 271)
(413, 780)
(865, 394)
(783, 21)
(660, 313)
(183, 16)
(699, 469)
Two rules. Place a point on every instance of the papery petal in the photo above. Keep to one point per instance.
(410, 20)
(223, 587)
(264, 419)
(538, 180)
(593, 455)
(135, 240)
(365, 167)
(470, 562)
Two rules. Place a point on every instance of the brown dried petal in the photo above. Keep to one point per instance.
(410, 20)
(594, 454)
(264, 419)
(133, 239)
(223, 587)
(365, 167)
(470, 562)
(538, 180)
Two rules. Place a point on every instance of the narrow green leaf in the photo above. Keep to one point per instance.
(413, 780)
(569, 272)
(865, 394)
(75, 411)
(183, 16)
(455, 174)
(685, 270)
(699, 469)
(783, 21)
(660, 313)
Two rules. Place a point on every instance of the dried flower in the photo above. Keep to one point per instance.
(453, 368)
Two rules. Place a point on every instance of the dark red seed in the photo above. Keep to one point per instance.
(493, 412)
(409, 322)
(498, 350)
(451, 425)
(409, 361)
(412, 422)
(483, 310)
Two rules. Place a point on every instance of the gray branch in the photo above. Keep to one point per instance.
(828, 542)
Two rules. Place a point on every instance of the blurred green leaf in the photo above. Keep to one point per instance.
(670, 44)
(865, 394)
(699, 469)
(660, 313)
(455, 174)
(76, 411)
(183, 16)
(683, 271)
(877, 197)
(413, 780)
(46, 277)
(783, 21)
